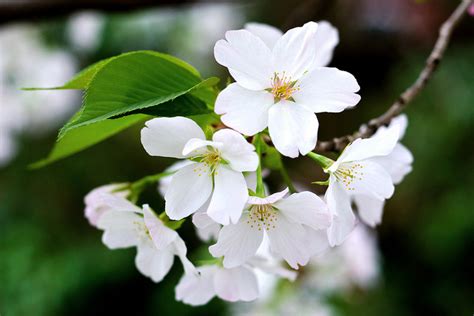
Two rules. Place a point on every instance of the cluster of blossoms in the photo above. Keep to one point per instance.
(281, 81)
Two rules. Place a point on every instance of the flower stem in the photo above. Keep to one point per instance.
(286, 177)
(323, 161)
(260, 189)
(138, 186)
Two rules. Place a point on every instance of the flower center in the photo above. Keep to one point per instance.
(262, 217)
(348, 174)
(211, 159)
(283, 87)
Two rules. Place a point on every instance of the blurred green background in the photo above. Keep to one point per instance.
(53, 263)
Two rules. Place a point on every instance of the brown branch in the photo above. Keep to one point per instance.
(367, 130)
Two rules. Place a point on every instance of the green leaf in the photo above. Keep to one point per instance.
(134, 82)
(86, 136)
(272, 159)
(121, 89)
(81, 80)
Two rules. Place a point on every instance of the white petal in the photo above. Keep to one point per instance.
(247, 57)
(120, 229)
(381, 144)
(244, 110)
(161, 235)
(202, 220)
(237, 284)
(305, 208)
(197, 289)
(402, 122)
(237, 243)
(292, 128)
(165, 182)
(229, 196)
(267, 33)
(317, 241)
(189, 190)
(153, 263)
(288, 240)
(271, 199)
(166, 137)
(370, 209)
(327, 90)
(294, 52)
(327, 37)
(273, 268)
(195, 147)
(397, 163)
(178, 247)
(240, 155)
(116, 239)
(367, 178)
(343, 220)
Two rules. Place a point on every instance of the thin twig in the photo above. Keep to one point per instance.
(367, 130)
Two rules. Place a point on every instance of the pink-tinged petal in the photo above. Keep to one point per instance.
(343, 219)
(95, 207)
(247, 58)
(370, 209)
(305, 208)
(327, 90)
(244, 110)
(267, 33)
(197, 290)
(166, 137)
(118, 203)
(275, 197)
(237, 284)
(236, 151)
(229, 196)
(293, 128)
(190, 188)
(237, 242)
(153, 263)
(295, 51)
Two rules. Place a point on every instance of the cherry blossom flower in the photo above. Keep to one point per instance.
(294, 225)
(126, 225)
(357, 173)
(397, 164)
(206, 228)
(215, 172)
(281, 87)
(231, 284)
